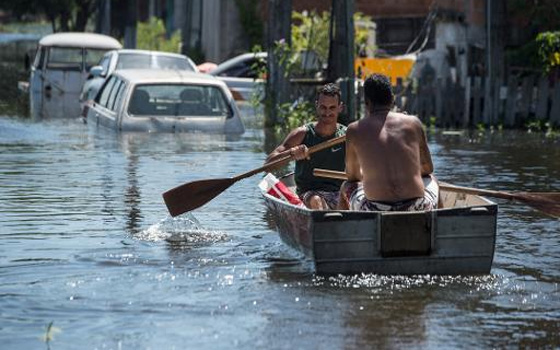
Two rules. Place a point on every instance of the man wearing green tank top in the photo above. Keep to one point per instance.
(317, 192)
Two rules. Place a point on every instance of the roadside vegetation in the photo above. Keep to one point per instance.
(152, 35)
(12, 101)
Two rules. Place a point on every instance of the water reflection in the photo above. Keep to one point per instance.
(86, 238)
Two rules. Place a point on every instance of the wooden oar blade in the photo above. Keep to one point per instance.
(192, 195)
(548, 203)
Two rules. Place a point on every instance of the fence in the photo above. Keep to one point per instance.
(513, 104)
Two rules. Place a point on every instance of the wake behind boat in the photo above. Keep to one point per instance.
(456, 239)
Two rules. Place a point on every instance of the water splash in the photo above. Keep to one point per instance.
(184, 229)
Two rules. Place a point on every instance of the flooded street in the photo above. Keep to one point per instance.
(86, 244)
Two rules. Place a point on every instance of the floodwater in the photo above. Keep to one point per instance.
(90, 259)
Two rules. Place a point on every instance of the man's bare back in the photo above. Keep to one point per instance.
(387, 151)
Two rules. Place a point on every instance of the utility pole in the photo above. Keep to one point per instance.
(130, 26)
(341, 55)
(495, 15)
(103, 22)
(277, 84)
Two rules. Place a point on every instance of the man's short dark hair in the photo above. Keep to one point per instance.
(329, 89)
(377, 89)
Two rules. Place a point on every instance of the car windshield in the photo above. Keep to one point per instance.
(129, 61)
(180, 100)
(65, 58)
(166, 62)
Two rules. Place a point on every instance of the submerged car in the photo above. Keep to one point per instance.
(242, 74)
(131, 59)
(59, 70)
(152, 100)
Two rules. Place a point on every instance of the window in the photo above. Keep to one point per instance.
(119, 94)
(65, 58)
(244, 69)
(105, 63)
(167, 62)
(93, 56)
(103, 97)
(113, 94)
(180, 100)
(40, 58)
(128, 61)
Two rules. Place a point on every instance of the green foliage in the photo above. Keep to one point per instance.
(151, 35)
(64, 15)
(541, 15)
(12, 101)
(525, 56)
(295, 115)
(549, 49)
(541, 126)
(310, 32)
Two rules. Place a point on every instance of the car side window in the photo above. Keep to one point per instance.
(103, 97)
(40, 58)
(245, 69)
(113, 95)
(239, 70)
(118, 95)
(105, 63)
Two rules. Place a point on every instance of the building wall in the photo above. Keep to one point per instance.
(222, 35)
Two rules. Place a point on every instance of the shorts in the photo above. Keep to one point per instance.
(330, 197)
(358, 200)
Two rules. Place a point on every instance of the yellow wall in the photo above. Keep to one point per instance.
(392, 67)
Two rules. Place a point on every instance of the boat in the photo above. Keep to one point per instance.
(457, 239)
(59, 70)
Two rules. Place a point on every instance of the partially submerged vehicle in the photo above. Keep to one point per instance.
(458, 238)
(153, 100)
(60, 69)
(241, 74)
(131, 59)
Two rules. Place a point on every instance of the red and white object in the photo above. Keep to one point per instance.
(274, 187)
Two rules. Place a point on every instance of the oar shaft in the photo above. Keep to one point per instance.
(444, 186)
(288, 158)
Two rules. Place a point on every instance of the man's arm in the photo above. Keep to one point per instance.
(426, 164)
(353, 169)
(292, 145)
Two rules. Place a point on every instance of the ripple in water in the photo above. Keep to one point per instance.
(184, 229)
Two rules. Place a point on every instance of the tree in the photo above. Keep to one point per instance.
(64, 15)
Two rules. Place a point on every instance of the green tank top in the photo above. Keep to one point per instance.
(330, 158)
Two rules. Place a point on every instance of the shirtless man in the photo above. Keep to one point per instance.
(315, 192)
(387, 157)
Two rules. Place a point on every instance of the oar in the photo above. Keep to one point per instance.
(547, 202)
(192, 195)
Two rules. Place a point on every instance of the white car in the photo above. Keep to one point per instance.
(131, 59)
(153, 100)
(241, 74)
(59, 70)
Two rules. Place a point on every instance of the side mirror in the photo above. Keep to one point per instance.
(96, 71)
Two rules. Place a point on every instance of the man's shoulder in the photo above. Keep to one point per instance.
(403, 117)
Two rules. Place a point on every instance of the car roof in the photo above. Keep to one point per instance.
(76, 39)
(148, 52)
(234, 60)
(142, 76)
